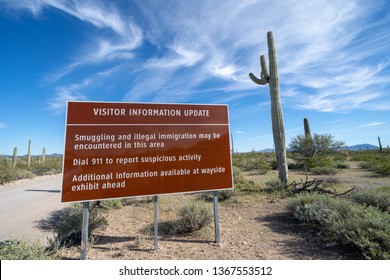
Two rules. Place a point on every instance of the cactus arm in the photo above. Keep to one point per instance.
(264, 73)
(264, 70)
(257, 80)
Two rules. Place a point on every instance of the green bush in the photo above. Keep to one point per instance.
(222, 195)
(23, 250)
(111, 204)
(342, 165)
(377, 162)
(323, 170)
(67, 224)
(378, 197)
(380, 167)
(51, 166)
(194, 216)
(347, 223)
(7, 172)
(276, 188)
(258, 162)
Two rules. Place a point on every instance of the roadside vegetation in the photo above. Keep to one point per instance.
(334, 207)
(9, 173)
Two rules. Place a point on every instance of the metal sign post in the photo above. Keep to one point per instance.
(84, 231)
(216, 217)
(155, 202)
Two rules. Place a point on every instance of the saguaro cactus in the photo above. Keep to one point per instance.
(309, 150)
(306, 126)
(29, 154)
(43, 155)
(380, 145)
(15, 157)
(272, 79)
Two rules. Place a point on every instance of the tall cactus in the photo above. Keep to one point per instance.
(380, 145)
(309, 149)
(272, 79)
(15, 157)
(29, 154)
(306, 126)
(43, 155)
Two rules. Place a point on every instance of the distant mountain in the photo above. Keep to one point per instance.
(362, 147)
(358, 147)
(54, 155)
(268, 150)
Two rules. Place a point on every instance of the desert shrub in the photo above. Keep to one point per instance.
(380, 167)
(225, 195)
(378, 197)
(238, 178)
(379, 163)
(311, 208)
(330, 180)
(323, 170)
(363, 165)
(194, 216)
(344, 222)
(318, 162)
(222, 195)
(51, 166)
(296, 166)
(276, 188)
(7, 172)
(257, 162)
(111, 204)
(341, 165)
(68, 224)
(275, 184)
(23, 250)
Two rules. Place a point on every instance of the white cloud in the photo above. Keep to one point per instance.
(372, 124)
(2, 125)
(67, 93)
(178, 57)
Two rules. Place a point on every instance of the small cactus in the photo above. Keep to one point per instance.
(43, 155)
(306, 126)
(380, 145)
(309, 150)
(15, 157)
(29, 154)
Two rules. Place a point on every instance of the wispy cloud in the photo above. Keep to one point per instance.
(125, 36)
(324, 63)
(179, 56)
(67, 93)
(2, 125)
(371, 124)
(330, 59)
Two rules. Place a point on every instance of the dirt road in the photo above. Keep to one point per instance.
(24, 203)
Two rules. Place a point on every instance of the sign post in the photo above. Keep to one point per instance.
(84, 231)
(116, 150)
(216, 218)
(155, 202)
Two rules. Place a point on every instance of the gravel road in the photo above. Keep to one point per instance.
(24, 203)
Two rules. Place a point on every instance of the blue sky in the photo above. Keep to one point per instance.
(334, 64)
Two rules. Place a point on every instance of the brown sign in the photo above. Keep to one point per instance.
(115, 150)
